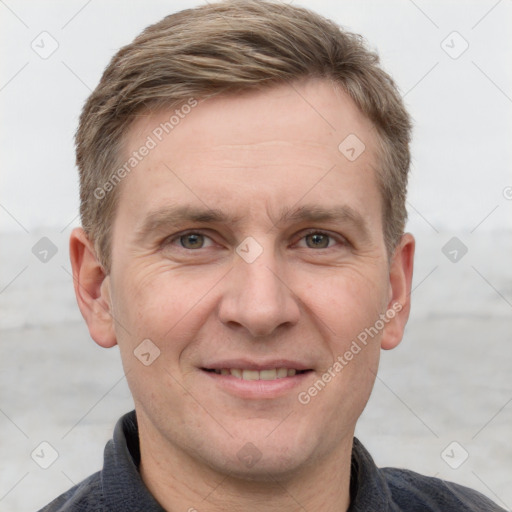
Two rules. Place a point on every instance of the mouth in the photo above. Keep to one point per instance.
(256, 381)
(250, 374)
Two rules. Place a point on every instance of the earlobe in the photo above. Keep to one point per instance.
(400, 281)
(92, 289)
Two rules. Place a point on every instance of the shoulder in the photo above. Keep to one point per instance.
(416, 492)
(87, 496)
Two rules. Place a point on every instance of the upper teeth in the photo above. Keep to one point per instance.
(274, 373)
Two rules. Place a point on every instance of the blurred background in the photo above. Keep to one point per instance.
(442, 403)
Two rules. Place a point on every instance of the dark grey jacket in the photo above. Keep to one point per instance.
(118, 487)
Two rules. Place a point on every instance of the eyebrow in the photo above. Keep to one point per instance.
(168, 216)
(173, 215)
(342, 214)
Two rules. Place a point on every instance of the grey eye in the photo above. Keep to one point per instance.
(317, 240)
(192, 241)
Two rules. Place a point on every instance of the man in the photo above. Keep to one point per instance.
(243, 173)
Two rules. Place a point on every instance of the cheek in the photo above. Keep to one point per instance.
(346, 305)
(154, 304)
(348, 301)
(152, 301)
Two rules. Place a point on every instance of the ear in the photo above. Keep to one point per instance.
(92, 289)
(400, 281)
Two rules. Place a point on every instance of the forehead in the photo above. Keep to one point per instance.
(312, 111)
(268, 149)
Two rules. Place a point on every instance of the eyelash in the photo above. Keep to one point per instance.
(338, 238)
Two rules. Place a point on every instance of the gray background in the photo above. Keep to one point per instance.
(450, 378)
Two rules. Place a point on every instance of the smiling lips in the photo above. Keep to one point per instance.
(257, 380)
(267, 374)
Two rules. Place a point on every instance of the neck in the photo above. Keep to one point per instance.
(179, 481)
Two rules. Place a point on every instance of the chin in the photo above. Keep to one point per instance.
(264, 470)
(262, 461)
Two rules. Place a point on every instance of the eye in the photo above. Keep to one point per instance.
(317, 240)
(193, 241)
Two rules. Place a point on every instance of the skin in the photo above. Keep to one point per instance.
(250, 156)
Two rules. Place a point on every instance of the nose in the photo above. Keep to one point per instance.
(257, 298)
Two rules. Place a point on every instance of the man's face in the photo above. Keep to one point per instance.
(247, 247)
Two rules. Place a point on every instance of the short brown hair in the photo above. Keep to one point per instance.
(225, 48)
